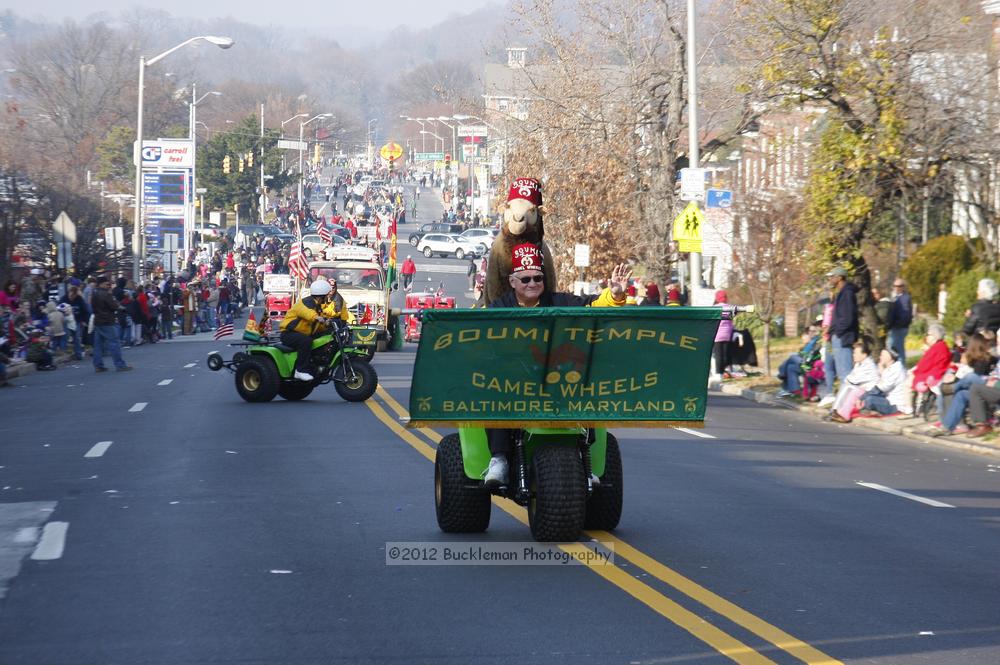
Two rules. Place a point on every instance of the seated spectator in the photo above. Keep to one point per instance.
(891, 394)
(953, 400)
(985, 312)
(794, 366)
(932, 365)
(983, 399)
(862, 377)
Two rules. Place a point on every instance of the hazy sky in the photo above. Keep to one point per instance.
(315, 14)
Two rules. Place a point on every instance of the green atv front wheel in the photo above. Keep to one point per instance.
(257, 379)
(558, 503)
(459, 507)
(356, 387)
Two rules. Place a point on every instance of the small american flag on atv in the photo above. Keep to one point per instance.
(224, 330)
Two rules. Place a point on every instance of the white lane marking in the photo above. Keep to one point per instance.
(28, 534)
(694, 432)
(99, 449)
(165, 382)
(53, 542)
(190, 365)
(905, 495)
(137, 407)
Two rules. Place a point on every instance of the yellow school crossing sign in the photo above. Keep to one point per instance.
(687, 228)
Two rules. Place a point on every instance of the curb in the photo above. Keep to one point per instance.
(901, 426)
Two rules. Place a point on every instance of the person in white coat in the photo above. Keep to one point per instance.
(891, 394)
(862, 377)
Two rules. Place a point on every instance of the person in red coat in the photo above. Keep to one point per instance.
(408, 270)
(932, 365)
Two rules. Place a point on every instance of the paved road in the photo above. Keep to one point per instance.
(214, 531)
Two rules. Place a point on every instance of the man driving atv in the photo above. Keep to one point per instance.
(309, 317)
(527, 280)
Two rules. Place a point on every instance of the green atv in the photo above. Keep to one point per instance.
(569, 479)
(265, 370)
(556, 378)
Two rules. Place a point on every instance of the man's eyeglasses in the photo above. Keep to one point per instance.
(897, 286)
(534, 278)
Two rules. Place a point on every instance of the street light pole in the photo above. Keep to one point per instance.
(283, 123)
(301, 149)
(137, 254)
(193, 116)
(454, 155)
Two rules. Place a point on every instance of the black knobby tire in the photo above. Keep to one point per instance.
(361, 387)
(257, 379)
(459, 507)
(558, 504)
(293, 391)
(604, 507)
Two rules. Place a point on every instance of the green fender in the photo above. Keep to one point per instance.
(285, 362)
(476, 449)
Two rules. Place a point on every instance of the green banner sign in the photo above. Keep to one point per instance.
(428, 156)
(579, 366)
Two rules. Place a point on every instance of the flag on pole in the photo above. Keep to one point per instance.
(252, 332)
(224, 330)
(297, 264)
(392, 253)
(324, 232)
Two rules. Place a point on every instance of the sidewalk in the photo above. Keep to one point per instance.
(21, 368)
(907, 426)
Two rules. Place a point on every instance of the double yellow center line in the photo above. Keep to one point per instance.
(716, 638)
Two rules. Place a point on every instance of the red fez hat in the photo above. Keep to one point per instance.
(526, 257)
(528, 189)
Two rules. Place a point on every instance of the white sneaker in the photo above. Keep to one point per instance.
(302, 376)
(828, 400)
(496, 473)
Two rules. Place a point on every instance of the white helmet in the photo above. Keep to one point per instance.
(320, 287)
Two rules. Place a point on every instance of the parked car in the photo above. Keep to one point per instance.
(314, 245)
(444, 244)
(433, 227)
(250, 229)
(484, 236)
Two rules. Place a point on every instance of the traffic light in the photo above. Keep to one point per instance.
(242, 164)
(392, 164)
(447, 160)
(227, 164)
(250, 159)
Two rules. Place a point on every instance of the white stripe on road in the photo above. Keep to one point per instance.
(28, 534)
(165, 382)
(694, 432)
(137, 407)
(905, 495)
(190, 365)
(53, 542)
(99, 449)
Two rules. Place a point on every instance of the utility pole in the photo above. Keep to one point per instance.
(693, 147)
(263, 197)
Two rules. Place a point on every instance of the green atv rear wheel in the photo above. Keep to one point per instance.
(257, 379)
(558, 503)
(604, 507)
(293, 391)
(460, 508)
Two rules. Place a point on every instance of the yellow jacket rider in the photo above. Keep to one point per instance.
(309, 317)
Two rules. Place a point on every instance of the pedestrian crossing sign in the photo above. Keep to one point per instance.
(688, 228)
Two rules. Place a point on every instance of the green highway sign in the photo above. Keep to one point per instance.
(428, 156)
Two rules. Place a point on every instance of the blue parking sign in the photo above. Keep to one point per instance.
(719, 198)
